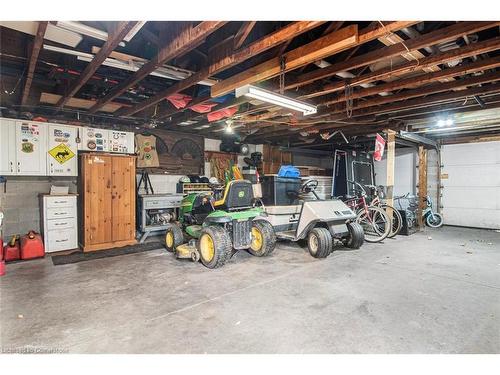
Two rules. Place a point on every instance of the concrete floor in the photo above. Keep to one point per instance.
(409, 295)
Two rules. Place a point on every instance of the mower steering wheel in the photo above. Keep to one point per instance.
(309, 186)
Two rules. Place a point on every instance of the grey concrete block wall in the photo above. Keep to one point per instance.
(19, 201)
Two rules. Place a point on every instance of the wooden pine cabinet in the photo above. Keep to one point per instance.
(107, 201)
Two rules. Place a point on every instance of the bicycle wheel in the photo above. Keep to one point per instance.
(397, 220)
(434, 220)
(375, 223)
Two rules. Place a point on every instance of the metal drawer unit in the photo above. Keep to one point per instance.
(155, 211)
(59, 222)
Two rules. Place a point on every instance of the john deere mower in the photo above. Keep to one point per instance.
(212, 230)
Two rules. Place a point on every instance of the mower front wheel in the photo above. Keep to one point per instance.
(319, 242)
(263, 239)
(214, 246)
(173, 237)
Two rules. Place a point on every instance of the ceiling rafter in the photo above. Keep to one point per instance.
(35, 51)
(390, 108)
(227, 58)
(243, 33)
(319, 48)
(188, 38)
(442, 35)
(116, 35)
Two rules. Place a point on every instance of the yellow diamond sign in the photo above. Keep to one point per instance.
(62, 153)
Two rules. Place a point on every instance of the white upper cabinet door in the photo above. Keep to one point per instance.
(31, 148)
(122, 142)
(8, 164)
(94, 139)
(62, 150)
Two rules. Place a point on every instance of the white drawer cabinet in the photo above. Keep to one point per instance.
(59, 222)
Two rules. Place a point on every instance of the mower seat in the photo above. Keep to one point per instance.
(238, 195)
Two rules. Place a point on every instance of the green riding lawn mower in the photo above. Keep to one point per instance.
(211, 231)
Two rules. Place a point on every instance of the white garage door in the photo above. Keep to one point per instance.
(471, 180)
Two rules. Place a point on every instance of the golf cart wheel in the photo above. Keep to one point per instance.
(214, 246)
(263, 239)
(434, 220)
(319, 242)
(356, 236)
(173, 237)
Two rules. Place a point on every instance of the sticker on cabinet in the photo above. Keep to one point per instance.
(62, 153)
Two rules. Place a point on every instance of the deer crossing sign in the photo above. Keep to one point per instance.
(62, 153)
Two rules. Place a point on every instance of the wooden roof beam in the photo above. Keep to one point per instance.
(35, 51)
(116, 35)
(317, 49)
(440, 58)
(390, 108)
(420, 80)
(432, 89)
(227, 58)
(442, 35)
(188, 38)
(243, 33)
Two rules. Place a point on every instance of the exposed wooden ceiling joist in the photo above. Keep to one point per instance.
(243, 33)
(188, 38)
(221, 60)
(115, 37)
(442, 35)
(35, 51)
(421, 80)
(440, 58)
(318, 49)
(388, 108)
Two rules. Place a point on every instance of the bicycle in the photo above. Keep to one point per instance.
(397, 219)
(374, 220)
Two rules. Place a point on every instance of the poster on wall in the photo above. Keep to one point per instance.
(379, 148)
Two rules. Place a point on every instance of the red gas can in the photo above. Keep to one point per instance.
(32, 246)
(12, 250)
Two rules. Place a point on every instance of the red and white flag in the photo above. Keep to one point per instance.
(379, 148)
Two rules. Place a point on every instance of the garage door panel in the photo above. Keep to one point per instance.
(472, 218)
(471, 154)
(476, 197)
(465, 175)
(471, 187)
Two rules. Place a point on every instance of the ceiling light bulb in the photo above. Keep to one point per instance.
(441, 123)
(449, 122)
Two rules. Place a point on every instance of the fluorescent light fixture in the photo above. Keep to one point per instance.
(80, 28)
(134, 31)
(273, 98)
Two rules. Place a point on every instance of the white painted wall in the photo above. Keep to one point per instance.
(404, 171)
(471, 189)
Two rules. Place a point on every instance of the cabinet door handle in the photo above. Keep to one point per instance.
(60, 213)
(11, 166)
(62, 240)
(60, 201)
(60, 223)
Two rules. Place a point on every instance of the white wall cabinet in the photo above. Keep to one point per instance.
(31, 148)
(62, 150)
(8, 165)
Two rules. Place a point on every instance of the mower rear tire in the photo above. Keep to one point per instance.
(319, 242)
(356, 236)
(173, 237)
(214, 246)
(263, 239)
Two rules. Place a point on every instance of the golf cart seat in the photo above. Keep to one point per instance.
(238, 195)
